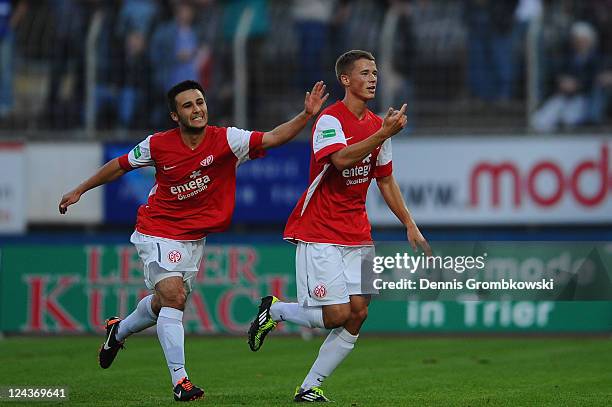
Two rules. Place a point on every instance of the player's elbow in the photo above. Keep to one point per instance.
(340, 162)
(383, 182)
(270, 140)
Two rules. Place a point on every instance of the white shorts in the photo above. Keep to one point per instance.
(163, 258)
(328, 274)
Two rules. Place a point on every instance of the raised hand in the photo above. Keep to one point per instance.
(394, 121)
(315, 99)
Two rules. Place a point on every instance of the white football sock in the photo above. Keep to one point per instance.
(141, 318)
(310, 317)
(338, 344)
(172, 339)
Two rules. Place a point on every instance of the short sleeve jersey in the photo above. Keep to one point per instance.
(194, 191)
(332, 210)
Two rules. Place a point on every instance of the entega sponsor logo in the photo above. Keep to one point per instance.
(358, 171)
(191, 188)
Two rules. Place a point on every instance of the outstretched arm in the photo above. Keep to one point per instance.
(395, 201)
(288, 130)
(107, 173)
(394, 121)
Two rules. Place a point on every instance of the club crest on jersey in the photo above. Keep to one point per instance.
(174, 256)
(207, 161)
(320, 291)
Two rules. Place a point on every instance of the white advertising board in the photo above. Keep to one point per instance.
(501, 181)
(12, 188)
(55, 168)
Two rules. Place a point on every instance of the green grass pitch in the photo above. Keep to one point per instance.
(381, 371)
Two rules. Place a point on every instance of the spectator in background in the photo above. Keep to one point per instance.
(527, 11)
(134, 27)
(360, 24)
(6, 59)
(108, 63)
(490, 65)
(259, 28)
(440, 39)
(137, 16)
(557, 19)
(569, 104)
(65, 103)
(136, 79)
(398, 60)
(177, 52)
(211, 69)
(600, 14)
(9, 19)
(602, 92)
(357, 24)
(312, 20)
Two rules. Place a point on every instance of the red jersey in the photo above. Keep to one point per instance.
(194, 191)
(332, 210)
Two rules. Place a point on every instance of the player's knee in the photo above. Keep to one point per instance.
(156, 304)
(334, 321)
(177, 301)
(360, 315)
(175, 298)
(337, 318)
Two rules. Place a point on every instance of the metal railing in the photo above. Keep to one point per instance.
(532, 67)
(91, 62)
(436, 111)
(241, 68)
(385, 57)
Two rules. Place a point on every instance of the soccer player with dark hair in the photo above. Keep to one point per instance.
(194, 195)
(350, 147)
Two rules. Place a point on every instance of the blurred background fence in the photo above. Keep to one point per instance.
(99, 69)
(508, 139)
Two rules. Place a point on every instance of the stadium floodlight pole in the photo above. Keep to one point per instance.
(91, 61)
(241, 67)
